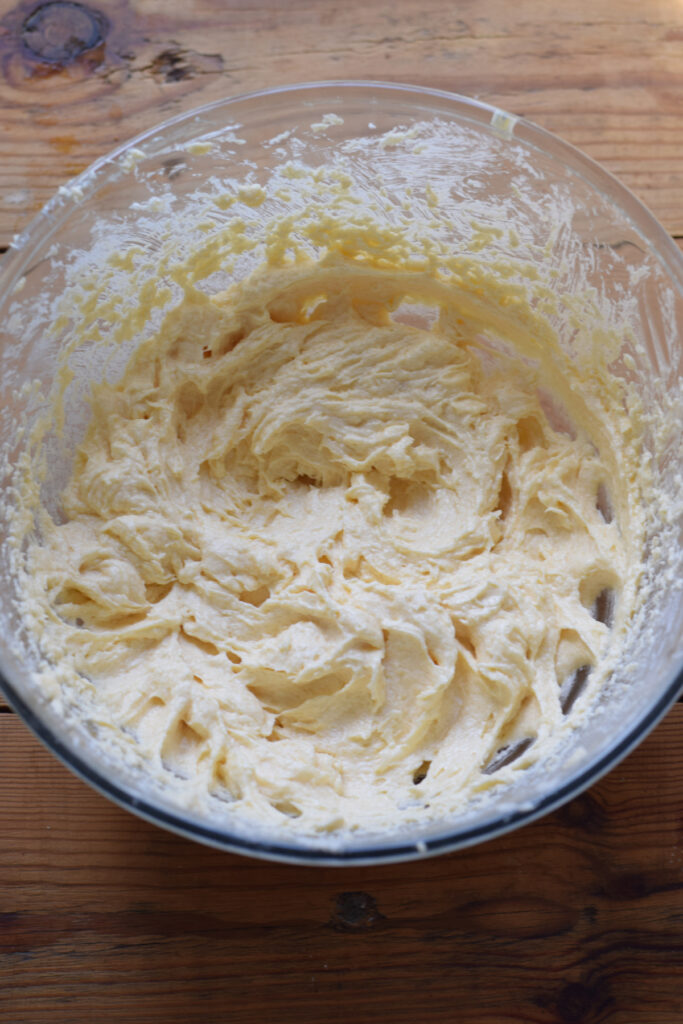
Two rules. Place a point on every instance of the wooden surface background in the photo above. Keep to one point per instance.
(577, 918)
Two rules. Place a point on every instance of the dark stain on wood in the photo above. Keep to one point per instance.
(176, 64)
(629, 886)
(584, 812)
(95, 51)
(65, 38)
(173, 65)
(585, 1001)
(355, 912)
(60, 32)
(579, 1003)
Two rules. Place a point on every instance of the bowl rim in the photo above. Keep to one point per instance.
(519, 129)
(510, 126)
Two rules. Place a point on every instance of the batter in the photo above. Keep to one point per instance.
(332, 562)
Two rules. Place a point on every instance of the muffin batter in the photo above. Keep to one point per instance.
(327, 560)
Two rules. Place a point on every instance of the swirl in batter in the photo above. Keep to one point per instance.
(327, 560)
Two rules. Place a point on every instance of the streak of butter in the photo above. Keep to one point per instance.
(327, 121)
(313, 548)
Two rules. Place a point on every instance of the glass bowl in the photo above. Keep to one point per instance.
(570, 217)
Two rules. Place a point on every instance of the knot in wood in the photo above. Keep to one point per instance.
(59, 32)
(578, 1003)
(355, 912)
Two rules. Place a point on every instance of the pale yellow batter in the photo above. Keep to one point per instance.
(327, 563)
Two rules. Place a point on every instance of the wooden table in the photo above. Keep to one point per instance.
(577, 918)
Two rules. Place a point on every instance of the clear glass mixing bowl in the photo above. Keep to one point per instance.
(569, 216)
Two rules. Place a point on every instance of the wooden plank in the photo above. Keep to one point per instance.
(577, 918)
(606, 76)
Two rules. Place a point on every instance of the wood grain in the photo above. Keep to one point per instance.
(607, 75)
(577, 918)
